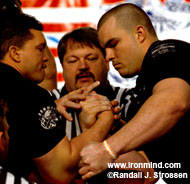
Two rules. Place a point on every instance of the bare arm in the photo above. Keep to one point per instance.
(169, 102)
(61, 163)
(130, 157)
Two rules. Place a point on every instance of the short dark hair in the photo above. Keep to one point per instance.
(16, 31)
(127, 16)
(10, 6)
(84, 36)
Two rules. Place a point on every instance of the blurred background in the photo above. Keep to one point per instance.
(171, 19)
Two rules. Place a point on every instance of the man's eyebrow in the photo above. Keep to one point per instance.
(70, 56)
(108, 43)
(42, 45)
(91, 54)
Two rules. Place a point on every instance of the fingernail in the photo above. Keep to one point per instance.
(98, 82)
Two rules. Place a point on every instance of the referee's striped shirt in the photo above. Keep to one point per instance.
(122, 95)
(9, 178)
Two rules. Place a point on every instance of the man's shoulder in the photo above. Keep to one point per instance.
(8, 73)
(162, 47)
(169, 41)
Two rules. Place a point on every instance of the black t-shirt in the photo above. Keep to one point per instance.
(35, 125)
(165, 59)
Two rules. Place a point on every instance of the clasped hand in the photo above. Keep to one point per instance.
(76, 99)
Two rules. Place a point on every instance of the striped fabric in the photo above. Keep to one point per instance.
(9, 178)
(73, 128)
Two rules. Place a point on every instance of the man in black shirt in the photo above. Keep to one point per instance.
(37, 131)
(10, 8)
(158, 117)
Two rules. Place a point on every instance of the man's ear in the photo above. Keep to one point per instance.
(15, 53)
(140, 33)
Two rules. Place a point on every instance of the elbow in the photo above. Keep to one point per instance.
(181, 108)
(55, 167)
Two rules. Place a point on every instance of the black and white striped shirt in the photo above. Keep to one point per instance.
(9, 178)
(124, 98)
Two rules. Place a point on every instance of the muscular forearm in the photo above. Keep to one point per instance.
(156, 117)
(60, 165)
(96, 133)
(169, 102)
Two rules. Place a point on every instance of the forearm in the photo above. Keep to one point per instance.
(132, 159)
(169, 102)
(96, 133)
(60, 165)
(156, 117)
(53, 166)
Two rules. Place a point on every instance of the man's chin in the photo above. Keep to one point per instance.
(83, 84)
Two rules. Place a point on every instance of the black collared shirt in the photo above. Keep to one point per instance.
(35, 125)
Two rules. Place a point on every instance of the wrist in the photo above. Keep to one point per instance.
(106, 116)
(109, 150)
(87, 122)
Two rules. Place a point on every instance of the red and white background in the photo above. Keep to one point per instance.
(171, 19)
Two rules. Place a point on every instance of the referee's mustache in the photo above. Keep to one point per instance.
(84, 74)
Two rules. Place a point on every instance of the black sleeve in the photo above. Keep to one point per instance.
(167, 60)
(43, 126)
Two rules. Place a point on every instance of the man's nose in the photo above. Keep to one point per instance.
(83, 65)
(109, 54)
(45, 56)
